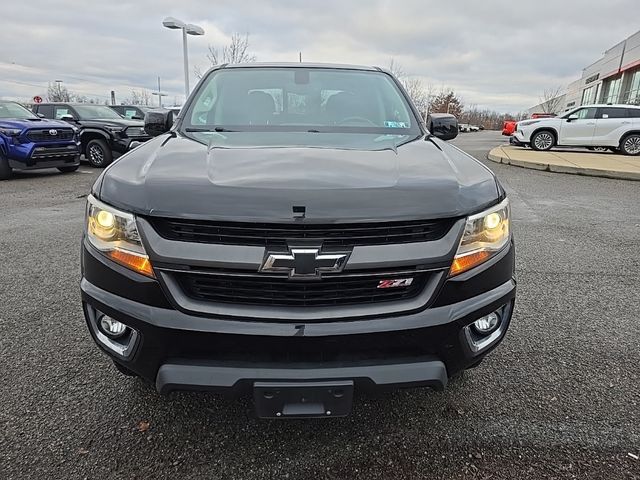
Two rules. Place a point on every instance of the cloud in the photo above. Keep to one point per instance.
(496, 54)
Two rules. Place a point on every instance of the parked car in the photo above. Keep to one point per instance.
(133, 112)
(297, 246)
(27, 142)
(102, 131)
(466, 127)
(509, 127)
(616, 127)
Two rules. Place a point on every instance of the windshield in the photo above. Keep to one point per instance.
(295, 99)
(15, 110)
(88, 112)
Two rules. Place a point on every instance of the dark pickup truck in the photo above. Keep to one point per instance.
(102, 130)
(297, 233)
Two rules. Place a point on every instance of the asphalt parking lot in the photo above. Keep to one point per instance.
(558, 399)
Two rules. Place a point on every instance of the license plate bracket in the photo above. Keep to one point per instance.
(303, 399)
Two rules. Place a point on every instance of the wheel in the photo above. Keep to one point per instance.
(543, 140)
(5, 169)
(98, 153)
(630, 145)
(124, 370)
(68, 169)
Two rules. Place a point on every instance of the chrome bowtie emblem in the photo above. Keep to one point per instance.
(304, 262)
(53, 132)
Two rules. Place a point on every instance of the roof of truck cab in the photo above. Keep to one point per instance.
(301, 65)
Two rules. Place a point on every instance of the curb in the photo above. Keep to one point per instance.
(494, 156)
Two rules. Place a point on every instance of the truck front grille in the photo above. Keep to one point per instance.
(257, 289)
(331, 235)
(45, 135)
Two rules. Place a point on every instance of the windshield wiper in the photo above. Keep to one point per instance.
(214, 129)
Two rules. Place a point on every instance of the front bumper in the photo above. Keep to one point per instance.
(31, 156)
(517, 139)
(178, 350)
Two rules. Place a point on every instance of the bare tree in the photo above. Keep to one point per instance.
(414, 86)
(447, 102)
(237, 51)
(140, 97)
(56, 92)
(551, 100)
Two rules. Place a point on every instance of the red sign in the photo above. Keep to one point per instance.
(37, 99)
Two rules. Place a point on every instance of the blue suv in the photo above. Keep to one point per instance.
(28, 142)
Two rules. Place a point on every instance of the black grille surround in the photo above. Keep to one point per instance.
(277, 234)
(272, 290)
(43, 135)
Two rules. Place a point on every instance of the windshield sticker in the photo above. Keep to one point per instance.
(392, 124)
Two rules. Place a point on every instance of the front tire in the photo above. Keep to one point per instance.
(68, 169)
(5, 169)
(98, 153)
(630, 145)
(543, 140)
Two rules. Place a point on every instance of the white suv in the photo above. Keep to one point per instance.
(616, 127)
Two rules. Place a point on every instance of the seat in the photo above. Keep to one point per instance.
(345, 105)
(262, 107)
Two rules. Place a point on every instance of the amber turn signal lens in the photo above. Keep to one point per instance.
(138, 263)
(467, 262)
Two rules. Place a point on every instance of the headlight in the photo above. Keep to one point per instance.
(10, 132)
(114, 129)
(115, 234)
(485, 234)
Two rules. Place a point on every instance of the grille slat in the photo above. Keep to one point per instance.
(254, 290)
(262, 234)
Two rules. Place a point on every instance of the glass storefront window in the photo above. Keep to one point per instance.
(612, 90)
(633, 94)
(588, 96)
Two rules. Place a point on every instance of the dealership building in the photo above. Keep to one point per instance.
(614, 78)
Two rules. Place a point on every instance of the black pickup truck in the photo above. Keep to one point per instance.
(296, 234)
(102, 130)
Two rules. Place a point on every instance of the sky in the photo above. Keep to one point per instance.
(500, 55)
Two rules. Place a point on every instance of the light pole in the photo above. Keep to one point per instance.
(159, 94)
(187, 29)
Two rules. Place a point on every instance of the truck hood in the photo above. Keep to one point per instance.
(32, 123)
(113, 122)
(175, 176)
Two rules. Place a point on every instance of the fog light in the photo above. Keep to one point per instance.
(111, 327)
(487, 324)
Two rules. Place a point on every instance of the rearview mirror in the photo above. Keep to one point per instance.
(443, 125)
(570, 118)
(157, 122)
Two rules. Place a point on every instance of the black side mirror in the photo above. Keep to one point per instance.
(443, 126)
(157, 122)
(137, 117)
(570, 118)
